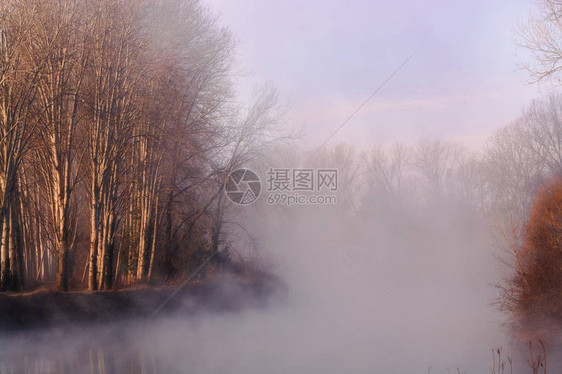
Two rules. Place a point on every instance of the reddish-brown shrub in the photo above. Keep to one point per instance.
(534, 292)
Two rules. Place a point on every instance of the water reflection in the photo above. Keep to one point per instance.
(102, 349)
(92, 361)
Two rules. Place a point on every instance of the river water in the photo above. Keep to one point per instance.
(395, 306)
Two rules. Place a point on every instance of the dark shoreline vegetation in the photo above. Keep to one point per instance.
(222, 292)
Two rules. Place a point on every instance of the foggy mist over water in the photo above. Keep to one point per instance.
(335, 318)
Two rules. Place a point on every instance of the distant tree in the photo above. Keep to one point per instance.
(345, 158)
(467, 186)
(385, 169)
(437, 161)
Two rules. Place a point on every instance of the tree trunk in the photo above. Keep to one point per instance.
(93, 259)
(5, 260)
(62, 267)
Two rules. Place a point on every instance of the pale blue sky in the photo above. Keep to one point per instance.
(326, 57)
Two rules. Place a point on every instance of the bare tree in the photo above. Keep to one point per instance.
(115, 66)
(257, 131)
(61, 36)
(18, 88)
(541, 37)
(542, 127)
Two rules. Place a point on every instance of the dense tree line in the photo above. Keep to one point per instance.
(117, 128)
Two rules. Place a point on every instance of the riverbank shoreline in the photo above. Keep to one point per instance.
(224, 292)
